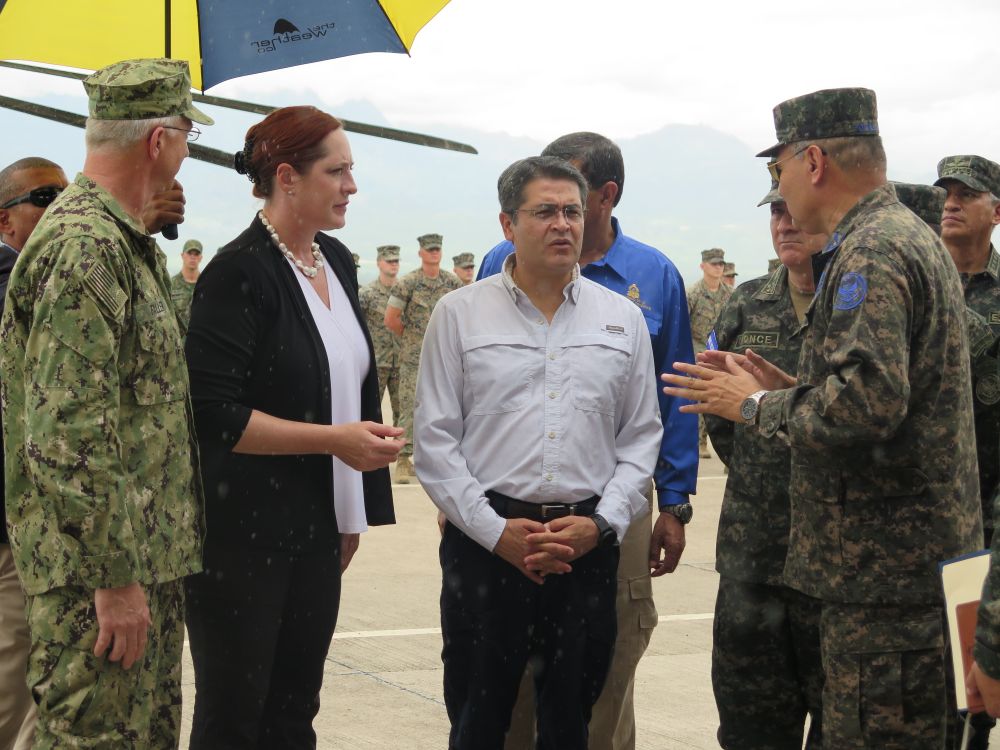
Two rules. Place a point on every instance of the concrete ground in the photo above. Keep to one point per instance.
(383, 675)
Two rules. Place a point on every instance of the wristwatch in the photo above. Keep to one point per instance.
(606, 536)
(683, 512)
(750, 408)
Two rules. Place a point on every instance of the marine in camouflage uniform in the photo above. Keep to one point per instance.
(884, 482)
(981, 178)
(373, 298)
(766, 669)
(103, 488)
(415, 296)
(182, 290)
(704, 307)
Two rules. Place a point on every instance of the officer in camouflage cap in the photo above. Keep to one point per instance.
(182, 284)
(729, 275)
(407, 314)
(883, 481)
(103, 492)
(926, 201)
(706, 298)
(465, 267)
(374, 298)
(766, 669)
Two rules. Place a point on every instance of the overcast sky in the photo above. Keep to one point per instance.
(540, 68)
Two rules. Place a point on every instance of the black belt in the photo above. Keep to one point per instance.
(509, 507)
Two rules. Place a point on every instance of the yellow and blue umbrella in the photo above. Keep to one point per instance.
(221, 39)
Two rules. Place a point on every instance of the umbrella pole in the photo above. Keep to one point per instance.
(166, 28)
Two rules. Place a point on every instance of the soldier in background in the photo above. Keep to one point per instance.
(465, 267)
(357, 261)
(103, 489)
(182, 284)
(373, 298)
(766, 669)
(926, 201)
(705, 299)
(884, 483)
(407, 314)
(729, 275)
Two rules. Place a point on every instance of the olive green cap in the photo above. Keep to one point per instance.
(464, 260)
(730, 270)
(974, 171)
(925, 201)
(430, 241)
(192, 245)
(387, 252)
(713, 255)
(829, 113)
(773, 196)
(143, 90)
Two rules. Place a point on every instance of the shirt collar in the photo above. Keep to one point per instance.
(774, 287)
(993, 264)
(141, 238)
(570, 292)
(616, 258)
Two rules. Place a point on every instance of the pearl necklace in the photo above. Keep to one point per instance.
(308, 271)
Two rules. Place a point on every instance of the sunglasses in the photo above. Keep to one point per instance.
(40, 196)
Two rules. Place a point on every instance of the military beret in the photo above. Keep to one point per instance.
(730, 270)
(974, 171)
(830, 113)
(142, 90)
(772, 265)
(464, 260)
(429, 241)
(713, 255)
(192, 245)
(773, 196)
(387, 252)
(925, 201)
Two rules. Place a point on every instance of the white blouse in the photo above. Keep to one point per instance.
(348, 354)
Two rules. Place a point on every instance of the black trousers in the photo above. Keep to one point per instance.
(259, 625)
(494, 620)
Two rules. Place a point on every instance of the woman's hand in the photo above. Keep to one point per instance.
(348, 546)
(364, 445)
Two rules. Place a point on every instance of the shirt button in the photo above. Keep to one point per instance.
(552, 435)
(548, 477)
(552, 356)
(540, 321)
(552, 394)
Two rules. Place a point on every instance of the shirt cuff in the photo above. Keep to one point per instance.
(987, 659)
(772, 412)
(671, 497)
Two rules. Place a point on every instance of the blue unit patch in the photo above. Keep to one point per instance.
(852, 291)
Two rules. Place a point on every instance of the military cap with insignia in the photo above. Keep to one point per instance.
(773, 196)
(192, 246)
(143, 90)
(464, 260)
(713, 255)
(387, 252)
(971, 170)
(430, 241)
(730, 270)
(829, 113)
(925, 201)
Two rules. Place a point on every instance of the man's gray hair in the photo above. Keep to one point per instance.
(10, 187)
(855, 153)
(510, 186)
(125, 133)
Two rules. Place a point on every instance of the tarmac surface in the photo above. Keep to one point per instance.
(383, 683)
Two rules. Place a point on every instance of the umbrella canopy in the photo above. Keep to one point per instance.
(220, 39)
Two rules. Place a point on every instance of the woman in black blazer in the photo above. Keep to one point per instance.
(293, 452)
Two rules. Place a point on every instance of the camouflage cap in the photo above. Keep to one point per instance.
(464, 260)
(975, 171)
(430, 241)
(143, 90)
(772, 265)
(357, 260)
(387, 252)
(730, 270)
(773, 196)
(830, 113)
(925, 201)
(713, 255)
(192, 245)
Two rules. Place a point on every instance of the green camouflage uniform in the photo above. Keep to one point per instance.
(704, 307)
(766, 669)
(373, 298)
(103, 485)
(182, 295)
(416, 295)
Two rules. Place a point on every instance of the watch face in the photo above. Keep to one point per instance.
(748, 409)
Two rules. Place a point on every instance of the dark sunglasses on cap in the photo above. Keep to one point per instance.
(40, 196)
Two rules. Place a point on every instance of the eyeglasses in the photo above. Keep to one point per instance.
(40, 196)
(775, 170)
(547, 212)
(192, 133)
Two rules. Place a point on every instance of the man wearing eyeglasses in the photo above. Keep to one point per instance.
(537, 431)
(104, 500)
(884, 483)
(182, 284)
(27, 187)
